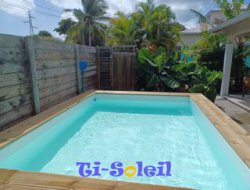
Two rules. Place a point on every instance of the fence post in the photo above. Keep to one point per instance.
(111, 67)
(98, 67)
(32, 63)
(78, 75)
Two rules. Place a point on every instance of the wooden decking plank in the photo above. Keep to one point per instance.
(52, 181)
(5, 175)
(236, 136)
(22, 187)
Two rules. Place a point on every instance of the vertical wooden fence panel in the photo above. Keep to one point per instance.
(51, 69)
(123, 71)
(104, 55)
(116, 68)
(15, 84)
(56, 72)
(32, 63)
(78, 74)
(88, 54)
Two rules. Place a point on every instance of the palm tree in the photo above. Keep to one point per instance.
(90, 21)
(158, 24)
(122, 30)
(202, 19)
(231, 9)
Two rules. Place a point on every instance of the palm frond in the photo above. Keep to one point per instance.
(201, 17)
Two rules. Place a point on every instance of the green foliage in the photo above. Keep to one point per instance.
(158, 25)
(150, 24)
(202, 19)
(209, 51)
(45, 35)
(122, 30)
(205, 81)
(209, 41)
(157, 71)
(230, 9)
(64, 26)
(89, 27)
(154, 70)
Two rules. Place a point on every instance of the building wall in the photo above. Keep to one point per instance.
(189, 39)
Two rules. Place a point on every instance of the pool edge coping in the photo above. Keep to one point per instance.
(236, 136)
(12, 179)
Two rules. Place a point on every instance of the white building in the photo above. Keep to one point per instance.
(190, 36)
(214, 17)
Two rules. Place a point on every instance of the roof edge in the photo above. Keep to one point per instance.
(231, 22)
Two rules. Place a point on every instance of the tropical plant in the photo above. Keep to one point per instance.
(150, 25)
(201, 18)
(209, 50)
(89, 22)
(157, 71)
(158, 25)
(154, 70)
(44, 33)
(206, 82)
(64, 26)
(122, 30)
(231, 9)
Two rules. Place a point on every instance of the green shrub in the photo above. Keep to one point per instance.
(157, 72)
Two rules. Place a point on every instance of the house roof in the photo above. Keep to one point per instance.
(196, 30)
(212, 11)
(245, 17)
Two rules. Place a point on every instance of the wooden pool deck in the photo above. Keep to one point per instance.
(237, 137)
(19, 180)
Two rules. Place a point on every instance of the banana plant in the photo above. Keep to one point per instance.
(157, 68)
(205, 82)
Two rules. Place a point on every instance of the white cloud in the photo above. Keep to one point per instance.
(180, 7)
(17, 7)
(66, 15)
(67, 4)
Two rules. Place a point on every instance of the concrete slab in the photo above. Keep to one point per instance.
(237, 113)
(243, 102)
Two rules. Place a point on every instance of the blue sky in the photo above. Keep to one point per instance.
(14, 12)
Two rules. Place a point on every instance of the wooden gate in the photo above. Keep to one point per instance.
(116, 68)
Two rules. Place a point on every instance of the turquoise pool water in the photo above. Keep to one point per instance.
(131, 128)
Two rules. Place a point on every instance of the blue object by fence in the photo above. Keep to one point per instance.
(83, 67)
(247, 61)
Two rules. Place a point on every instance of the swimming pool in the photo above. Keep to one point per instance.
(108, 127)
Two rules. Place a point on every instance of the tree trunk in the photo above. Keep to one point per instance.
(83, 36)
(83, 40)
(90, 44)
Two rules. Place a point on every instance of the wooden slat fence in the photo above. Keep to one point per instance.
(15, 89)
(54, 67)
(116, 68)
(123, 71)
(104, 55)
(36, 75)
